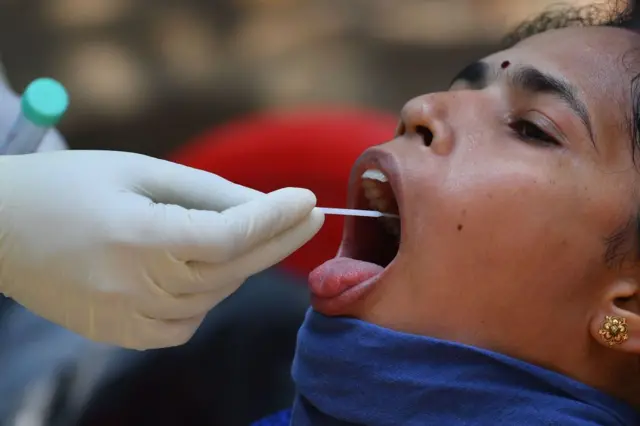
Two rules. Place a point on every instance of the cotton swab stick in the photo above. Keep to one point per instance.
(352, 212)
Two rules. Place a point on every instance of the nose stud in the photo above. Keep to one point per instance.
(614, 330)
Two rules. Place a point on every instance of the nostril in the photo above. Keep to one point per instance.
(427, 135)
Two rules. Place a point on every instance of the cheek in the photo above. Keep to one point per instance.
(505, 225)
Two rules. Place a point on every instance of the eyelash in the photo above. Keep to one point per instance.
(522, 129)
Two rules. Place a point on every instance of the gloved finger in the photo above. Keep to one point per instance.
(130, 329)
(188, 305)
(260, 258)
(147, 333)
(195, 235)
(170, 183)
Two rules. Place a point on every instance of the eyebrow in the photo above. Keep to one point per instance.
(534, 81)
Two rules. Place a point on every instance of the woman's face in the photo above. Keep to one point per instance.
(510, 186)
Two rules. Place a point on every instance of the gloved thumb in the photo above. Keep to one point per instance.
(241, 228)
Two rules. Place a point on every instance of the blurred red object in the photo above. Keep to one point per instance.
(312, 148)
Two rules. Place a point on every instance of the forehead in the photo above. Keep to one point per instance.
(597, 50)
(599, 61)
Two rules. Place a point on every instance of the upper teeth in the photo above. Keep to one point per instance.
(375, 174)
(378, 192)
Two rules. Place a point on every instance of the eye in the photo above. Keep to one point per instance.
(529, 132)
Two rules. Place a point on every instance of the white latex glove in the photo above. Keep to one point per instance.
(134, 251)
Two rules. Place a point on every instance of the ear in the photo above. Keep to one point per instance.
(618, 315)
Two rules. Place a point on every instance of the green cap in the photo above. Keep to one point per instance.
(44, 102)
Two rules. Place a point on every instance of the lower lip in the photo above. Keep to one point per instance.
(344, 303)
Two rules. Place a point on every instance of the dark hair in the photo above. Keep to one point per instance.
(610, 14)
(626, 239)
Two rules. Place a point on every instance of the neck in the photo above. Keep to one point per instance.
(344, 367)
(616, 373)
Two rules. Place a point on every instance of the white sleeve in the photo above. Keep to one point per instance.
(9, 109)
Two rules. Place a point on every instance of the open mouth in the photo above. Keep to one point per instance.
(374, 240)
(369, 245)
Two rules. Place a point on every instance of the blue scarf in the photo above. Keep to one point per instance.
(352, 373)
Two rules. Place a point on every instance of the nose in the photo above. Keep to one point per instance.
(424, 117)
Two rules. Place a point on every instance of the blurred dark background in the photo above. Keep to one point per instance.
(147, 75)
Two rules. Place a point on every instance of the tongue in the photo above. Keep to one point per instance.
(339, 275)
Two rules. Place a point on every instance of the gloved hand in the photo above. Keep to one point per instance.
(134, 251)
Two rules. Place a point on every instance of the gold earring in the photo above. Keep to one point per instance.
(614, 330)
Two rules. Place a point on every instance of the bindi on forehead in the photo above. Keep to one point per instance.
(505, 64)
